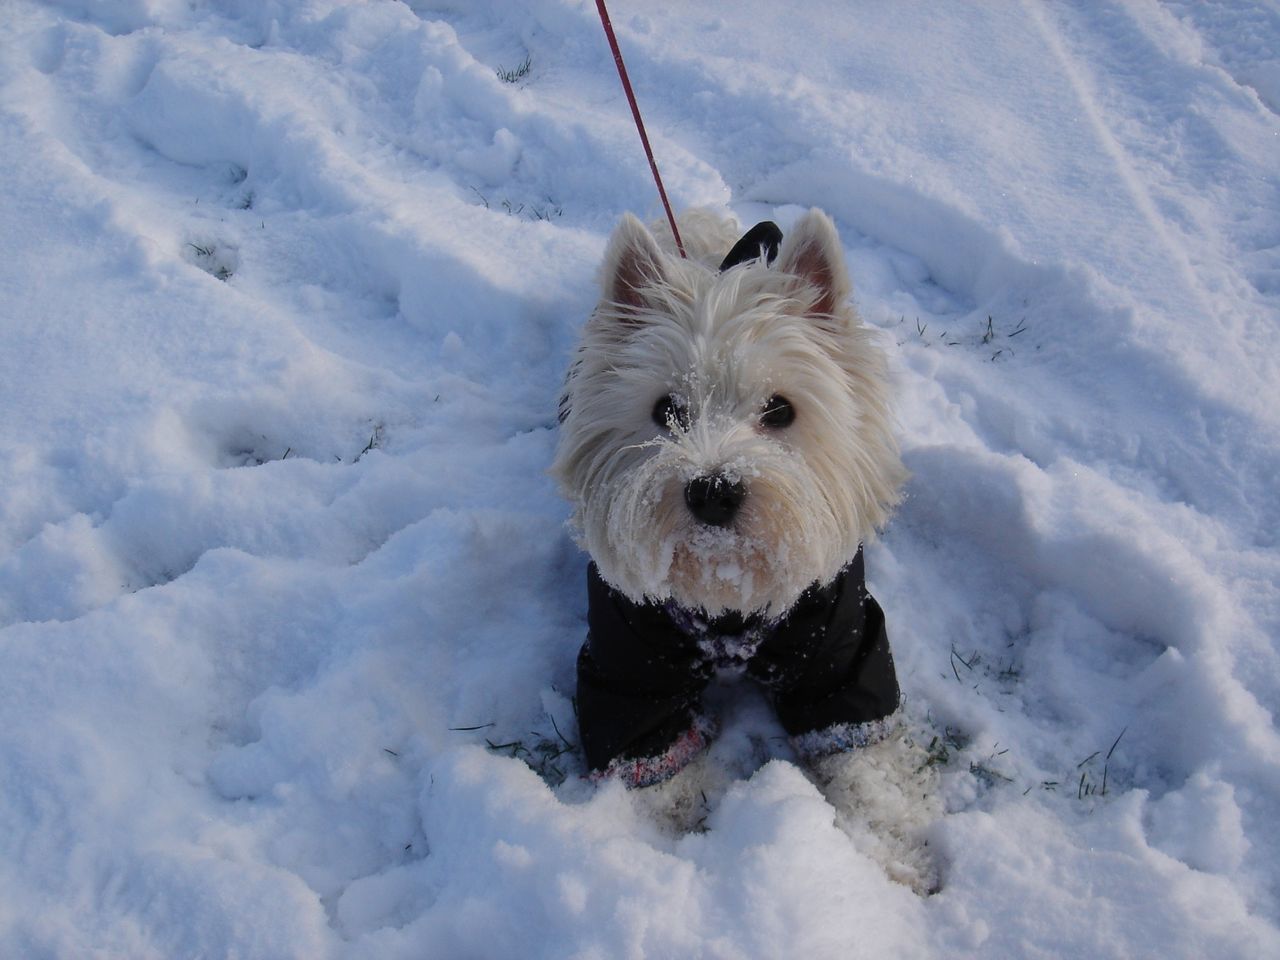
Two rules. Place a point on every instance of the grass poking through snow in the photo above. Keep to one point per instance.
(516, 73)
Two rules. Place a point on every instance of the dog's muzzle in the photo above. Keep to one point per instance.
(714, 500)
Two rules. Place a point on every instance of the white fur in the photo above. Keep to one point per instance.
(886, 800)
(724, 343)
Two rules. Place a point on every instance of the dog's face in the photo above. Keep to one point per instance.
(725, 440)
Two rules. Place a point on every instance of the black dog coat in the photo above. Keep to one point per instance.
(643, 668)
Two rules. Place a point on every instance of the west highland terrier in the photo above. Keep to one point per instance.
(726, 446)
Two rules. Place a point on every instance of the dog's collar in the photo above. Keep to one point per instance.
(729, 640)
(762, 240)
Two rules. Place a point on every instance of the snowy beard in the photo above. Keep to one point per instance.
(648, 545)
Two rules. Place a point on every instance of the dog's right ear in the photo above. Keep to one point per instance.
(812, 253)
(632, 264)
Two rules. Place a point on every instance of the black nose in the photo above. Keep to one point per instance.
(714, 500)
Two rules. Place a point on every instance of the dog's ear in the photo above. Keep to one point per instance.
(632, 263)
(812, 252)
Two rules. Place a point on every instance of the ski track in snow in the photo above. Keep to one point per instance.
(288, 611)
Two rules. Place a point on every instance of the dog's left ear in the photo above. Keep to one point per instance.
(812, 252)
(632, 264)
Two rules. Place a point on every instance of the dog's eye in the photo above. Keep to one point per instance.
(669, 410)
(778, 412)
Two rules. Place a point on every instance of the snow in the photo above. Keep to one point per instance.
(287, 290)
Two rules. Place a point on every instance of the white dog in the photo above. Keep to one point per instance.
(726, 446)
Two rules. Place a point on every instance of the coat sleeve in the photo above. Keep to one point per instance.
(829, 663)
(639, 679)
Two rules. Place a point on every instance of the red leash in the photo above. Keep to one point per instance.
(635, 112)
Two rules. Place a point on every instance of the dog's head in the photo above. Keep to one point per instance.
(726, 439)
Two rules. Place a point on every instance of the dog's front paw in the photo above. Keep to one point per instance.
(682, 803)
(885, 795)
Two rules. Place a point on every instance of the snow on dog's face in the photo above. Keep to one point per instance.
(725, 439)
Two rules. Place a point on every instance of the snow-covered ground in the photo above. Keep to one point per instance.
(288, 610)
